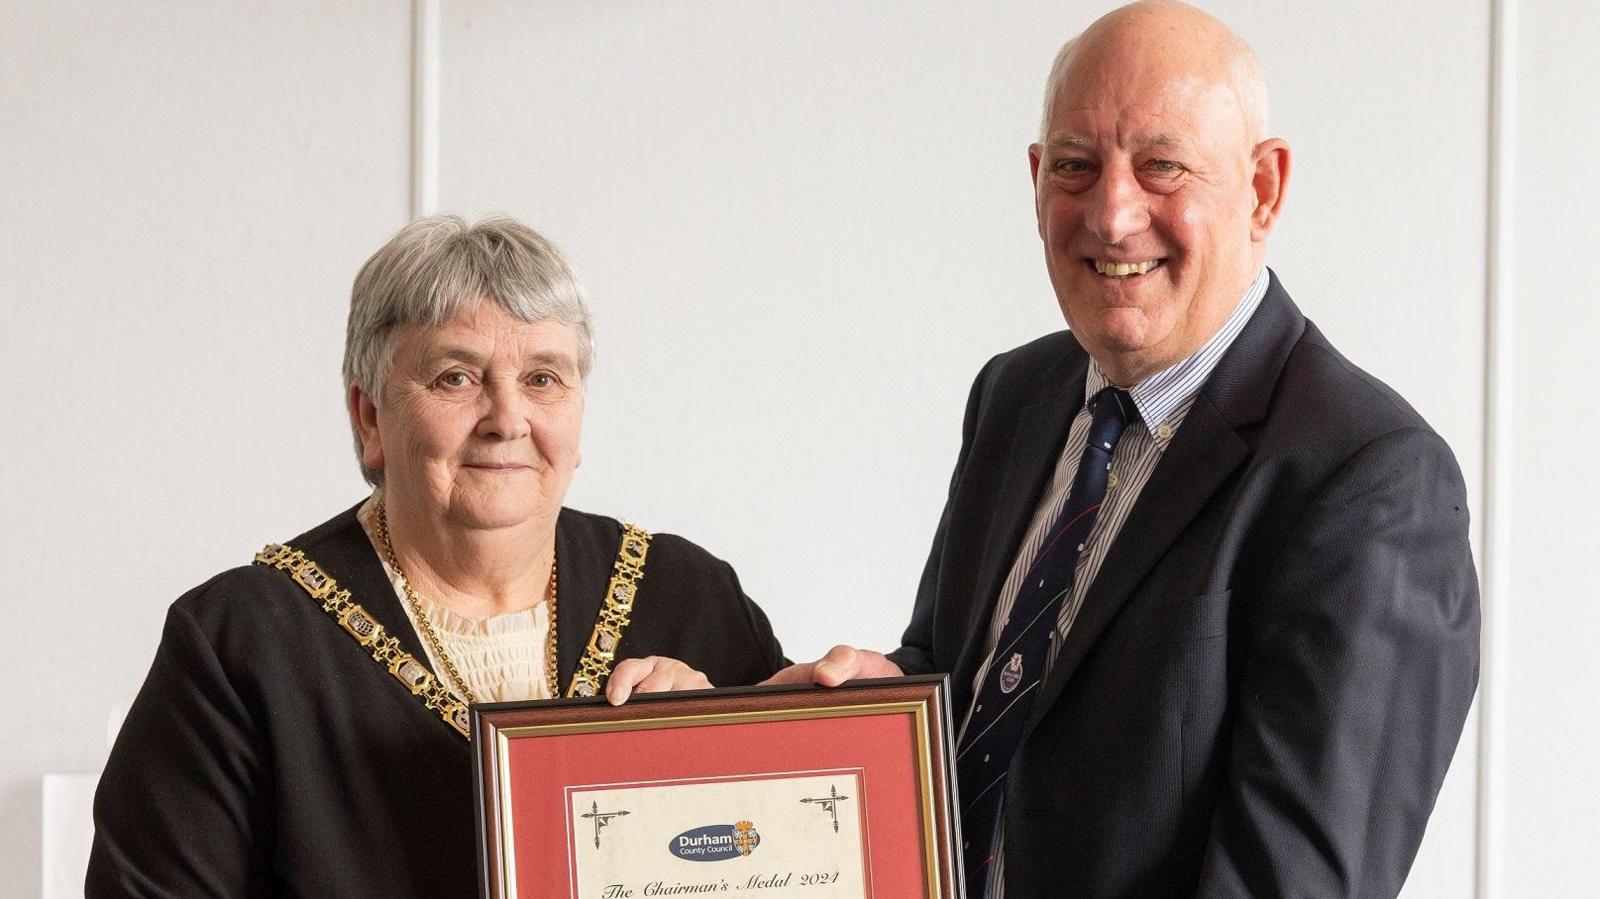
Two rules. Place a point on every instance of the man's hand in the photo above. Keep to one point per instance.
(842, 663)
(651, 674)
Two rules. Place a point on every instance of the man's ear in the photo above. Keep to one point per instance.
(1270, 181)
(1035, 155)
(364, 415)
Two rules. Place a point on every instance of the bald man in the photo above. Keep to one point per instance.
(1202, 585)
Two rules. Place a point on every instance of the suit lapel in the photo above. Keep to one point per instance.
(1035, 447)
(1199, 459)
(1206, 450)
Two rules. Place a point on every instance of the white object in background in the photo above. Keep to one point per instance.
(68, 831)
(68, 825)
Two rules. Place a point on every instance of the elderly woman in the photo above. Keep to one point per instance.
(303, 730)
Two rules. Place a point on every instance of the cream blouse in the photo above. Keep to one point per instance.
(501, 657)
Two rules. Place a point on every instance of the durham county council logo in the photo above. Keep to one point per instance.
(715, 842)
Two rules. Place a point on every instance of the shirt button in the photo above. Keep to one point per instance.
(986, 756)
(1111, 481)
(1164, 431)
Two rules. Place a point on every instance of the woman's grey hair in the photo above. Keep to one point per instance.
(438, 269)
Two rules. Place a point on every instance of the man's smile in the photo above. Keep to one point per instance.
(1124, 269)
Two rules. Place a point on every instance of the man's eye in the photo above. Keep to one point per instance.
(544, 380)
(453, 379)
(1164, 167)
(1072, 166)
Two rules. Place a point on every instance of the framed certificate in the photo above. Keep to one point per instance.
(752, 792)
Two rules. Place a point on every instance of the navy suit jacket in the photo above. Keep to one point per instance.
(1268, 677)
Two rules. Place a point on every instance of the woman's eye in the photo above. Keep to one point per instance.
(454, 379)
(543, 380)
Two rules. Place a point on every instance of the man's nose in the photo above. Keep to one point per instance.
(1117, 207)
(504, 412)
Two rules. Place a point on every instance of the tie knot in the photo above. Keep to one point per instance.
(1111, 411)
(1114, 403)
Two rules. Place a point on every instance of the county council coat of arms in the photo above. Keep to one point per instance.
(745, 837)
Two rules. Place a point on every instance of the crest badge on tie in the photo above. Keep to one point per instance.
(1011, 675)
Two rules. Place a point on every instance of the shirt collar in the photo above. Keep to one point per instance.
(1163, 394)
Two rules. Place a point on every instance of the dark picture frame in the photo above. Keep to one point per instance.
(526, 755)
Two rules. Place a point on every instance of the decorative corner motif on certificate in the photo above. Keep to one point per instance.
(601, 819)
(829, 804)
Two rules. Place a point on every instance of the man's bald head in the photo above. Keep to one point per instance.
(1180, 36)
(1154, 186)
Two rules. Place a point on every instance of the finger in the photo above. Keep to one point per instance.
(794, 674)
(839, 665)
(891, 668)
(876, 664)
(673, 675)
(626, 676)
(692, 680)
(661, 677)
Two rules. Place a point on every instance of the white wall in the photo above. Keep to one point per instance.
(187, 191)
(1550, 736)
(803, 227)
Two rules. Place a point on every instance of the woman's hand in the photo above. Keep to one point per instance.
(651, 674)
(842, 663)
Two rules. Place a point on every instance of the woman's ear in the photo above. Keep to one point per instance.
(364, 416)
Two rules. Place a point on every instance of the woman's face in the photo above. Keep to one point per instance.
(478, 424)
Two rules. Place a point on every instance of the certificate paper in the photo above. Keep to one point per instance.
(795, 833)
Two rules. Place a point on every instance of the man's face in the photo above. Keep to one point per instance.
(1143, 189)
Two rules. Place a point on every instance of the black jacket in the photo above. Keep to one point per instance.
(268, 754)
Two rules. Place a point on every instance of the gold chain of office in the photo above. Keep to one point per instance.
(552, 680)
(593, 668)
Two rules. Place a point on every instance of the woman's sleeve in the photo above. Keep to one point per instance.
(178, 811)
(765, 642)
(702, 616)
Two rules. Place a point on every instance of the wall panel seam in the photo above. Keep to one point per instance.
(1498, 448)
(424, 107)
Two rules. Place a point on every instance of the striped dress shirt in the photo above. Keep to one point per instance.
(1163, 400)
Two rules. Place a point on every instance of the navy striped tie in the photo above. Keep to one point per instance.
(1017, 667)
